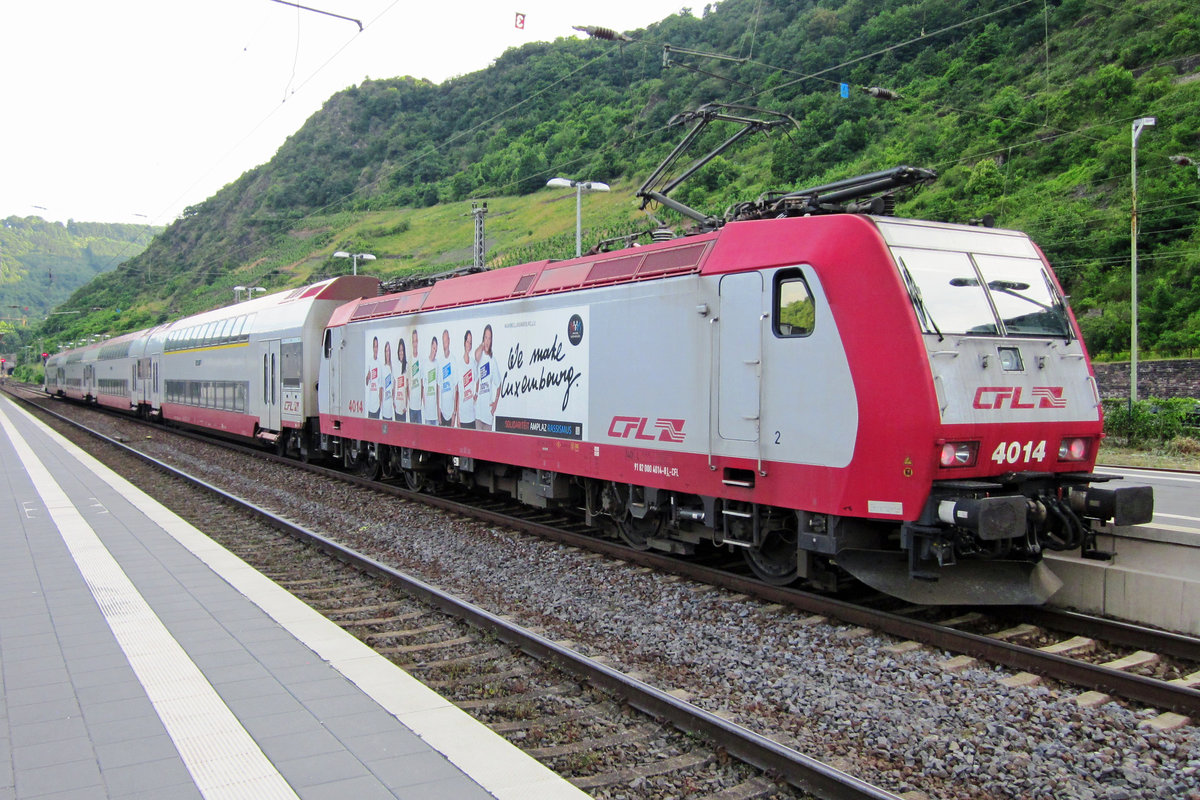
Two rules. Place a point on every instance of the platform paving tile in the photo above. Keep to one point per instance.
(301, 744)
(82, 663)
(414, 769)
(201, 640)
(146, 776)
(294, 672)
(180, 791)
(86, 793)
(106, 692)
(274, 703)
(260, 690)
(123, 730)
(128, 752)
(267, 725)
(18, 678)
(30, 713)
(119, 710)
(47, 663)
(235, 671)
(372, 747)
(440, 790)
(216, 651)
(330, 686)
(113, 676)
(60, 777)
(55, 730)
(36, 695)
(333, 710)
(363, 787)
(305, 772)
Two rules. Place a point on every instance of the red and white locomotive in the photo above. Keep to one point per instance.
(905, 402)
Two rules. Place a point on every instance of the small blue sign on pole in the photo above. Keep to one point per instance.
(845, 90)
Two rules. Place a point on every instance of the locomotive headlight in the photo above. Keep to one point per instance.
(959, 454)
(1073, 449)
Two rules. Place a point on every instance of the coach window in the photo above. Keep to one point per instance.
(794, 310)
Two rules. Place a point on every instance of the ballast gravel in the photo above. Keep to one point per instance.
(897, 721)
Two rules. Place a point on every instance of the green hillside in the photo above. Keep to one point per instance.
(42, 263)
(1024, 109)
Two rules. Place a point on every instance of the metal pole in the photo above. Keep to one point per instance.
(480, 249)
(1138, 125)
(578, 220)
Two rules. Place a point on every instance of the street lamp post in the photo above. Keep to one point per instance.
(354, 257)
(250, 292)
(580, 187)
(1138, 125)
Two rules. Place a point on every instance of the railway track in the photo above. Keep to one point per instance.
(1106, 657)
(601, 728)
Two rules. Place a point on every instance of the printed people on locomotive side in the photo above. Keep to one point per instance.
(431, 383)
(387, 384)
(447, 378)
(488, 393)
(416, 393)
(401, 379)
(373, 399)
(467, 385)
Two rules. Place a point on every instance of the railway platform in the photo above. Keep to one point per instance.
(1153, 577)
(139, 659)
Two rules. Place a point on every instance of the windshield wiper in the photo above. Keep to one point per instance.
(914, 294)
(1014, 289)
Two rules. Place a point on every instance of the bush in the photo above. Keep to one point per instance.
(1152, 421)
(28, 373)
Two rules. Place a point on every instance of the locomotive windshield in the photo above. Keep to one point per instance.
(975, 281)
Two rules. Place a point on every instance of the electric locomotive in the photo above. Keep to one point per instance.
(907, 402)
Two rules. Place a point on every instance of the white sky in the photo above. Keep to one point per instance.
(131, 110)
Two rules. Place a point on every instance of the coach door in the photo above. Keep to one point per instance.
(269, 363)
(739, 354)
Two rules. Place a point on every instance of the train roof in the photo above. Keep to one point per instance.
(341, 288)
(740, 243)
(659, 260)
(344, 287)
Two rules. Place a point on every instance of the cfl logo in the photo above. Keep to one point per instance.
(993, 397)
(668, 430)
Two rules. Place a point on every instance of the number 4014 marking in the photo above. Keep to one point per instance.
(1012, 452)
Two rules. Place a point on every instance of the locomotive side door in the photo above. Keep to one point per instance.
(739, 357)
(269, 363)
(331, 381)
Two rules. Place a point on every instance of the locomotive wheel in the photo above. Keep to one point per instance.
(415, 481)
(368, 467)
(775, 561)
(361, 462)
(637, 533)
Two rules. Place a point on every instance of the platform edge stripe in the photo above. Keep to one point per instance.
(507, 773)
(160, 663)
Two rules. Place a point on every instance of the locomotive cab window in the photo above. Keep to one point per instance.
(794, 312)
